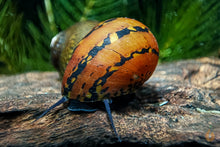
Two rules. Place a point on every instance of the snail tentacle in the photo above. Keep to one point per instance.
(107, 107)
(62, 100)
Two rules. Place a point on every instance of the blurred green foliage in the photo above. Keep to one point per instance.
(184, 29)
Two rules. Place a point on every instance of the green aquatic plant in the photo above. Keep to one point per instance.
(184, 29)
(7, 18)
(189, 31)
(25, 42)
(22, 44)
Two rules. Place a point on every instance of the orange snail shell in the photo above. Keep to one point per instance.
(114, 59)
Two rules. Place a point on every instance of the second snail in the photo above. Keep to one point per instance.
(114, 59)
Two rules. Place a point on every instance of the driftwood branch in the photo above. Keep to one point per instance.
(179, 105)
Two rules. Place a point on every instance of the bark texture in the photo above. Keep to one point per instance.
(179, 105)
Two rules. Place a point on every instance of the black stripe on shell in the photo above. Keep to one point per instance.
(103, 79)
(127, 31)
(82, 64)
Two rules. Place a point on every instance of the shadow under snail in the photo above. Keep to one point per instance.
(115, 58)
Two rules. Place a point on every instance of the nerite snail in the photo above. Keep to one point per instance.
(115, 58)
